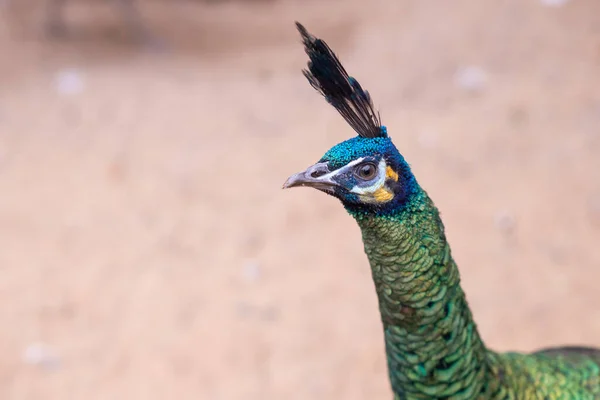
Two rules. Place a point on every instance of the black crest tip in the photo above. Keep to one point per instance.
(327, 75)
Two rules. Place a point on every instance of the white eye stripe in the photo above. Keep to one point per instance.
(327, 177)
(377, 184)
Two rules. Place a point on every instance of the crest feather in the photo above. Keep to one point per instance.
(328, 76)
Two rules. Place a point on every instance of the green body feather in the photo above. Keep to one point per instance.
(434, 350)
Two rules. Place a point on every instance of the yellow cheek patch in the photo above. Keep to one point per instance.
(382, 195)
(391, 174)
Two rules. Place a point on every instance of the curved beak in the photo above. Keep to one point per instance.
(317, 176)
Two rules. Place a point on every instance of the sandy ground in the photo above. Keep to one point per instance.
(149, 253)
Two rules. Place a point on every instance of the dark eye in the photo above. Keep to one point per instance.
(366, 171)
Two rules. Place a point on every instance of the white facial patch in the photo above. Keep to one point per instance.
(378, 182)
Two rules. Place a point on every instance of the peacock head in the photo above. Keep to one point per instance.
(367, 173)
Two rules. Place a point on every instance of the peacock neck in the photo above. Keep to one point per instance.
(433, 347)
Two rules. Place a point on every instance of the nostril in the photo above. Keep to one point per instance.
(317, 173)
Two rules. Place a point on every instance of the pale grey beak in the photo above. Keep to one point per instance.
(316, 176)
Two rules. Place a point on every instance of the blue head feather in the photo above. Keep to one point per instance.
(374, 150)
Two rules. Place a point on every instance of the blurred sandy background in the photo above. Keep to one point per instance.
(147, 251)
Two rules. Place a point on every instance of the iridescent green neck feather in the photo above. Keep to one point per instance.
(432, 342)
(433, 348)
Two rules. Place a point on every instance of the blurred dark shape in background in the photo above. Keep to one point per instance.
(55, 19)
(53, 15)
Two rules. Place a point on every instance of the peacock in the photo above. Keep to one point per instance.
(433, 347)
